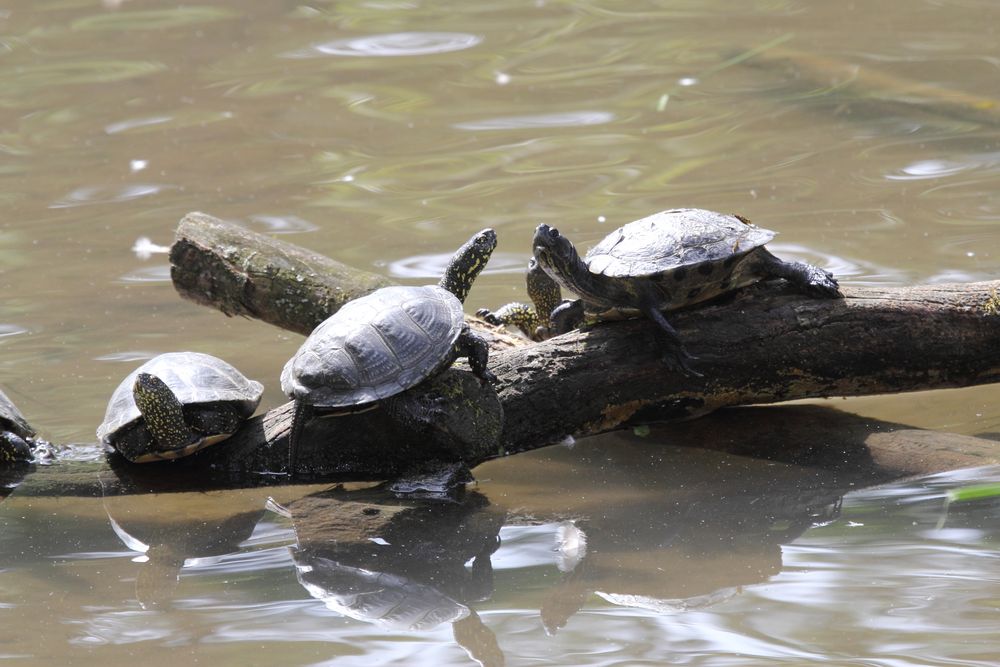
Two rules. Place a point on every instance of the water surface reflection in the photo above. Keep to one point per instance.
(616, 527)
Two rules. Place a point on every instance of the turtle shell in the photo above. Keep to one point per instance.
(195, 378)
(673, 239)
(375, 347)
(12, 420)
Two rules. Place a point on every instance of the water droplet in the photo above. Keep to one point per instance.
(601, 218)
(137, 165)
(502, 79)
(687, 81)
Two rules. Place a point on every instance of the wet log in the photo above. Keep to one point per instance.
(764, 344)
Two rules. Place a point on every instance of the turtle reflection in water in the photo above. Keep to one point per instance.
(176, 404)
(385, 343)
(663, 262)
(400, 564)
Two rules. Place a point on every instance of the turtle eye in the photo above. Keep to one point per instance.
(553, 233)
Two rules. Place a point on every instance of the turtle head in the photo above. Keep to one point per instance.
(542, 290)
(467, 262)
(556, 254)
(162, 412)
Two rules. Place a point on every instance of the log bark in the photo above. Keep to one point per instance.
(764, 344)
(241, 272)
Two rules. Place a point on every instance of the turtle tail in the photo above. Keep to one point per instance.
(300, 415)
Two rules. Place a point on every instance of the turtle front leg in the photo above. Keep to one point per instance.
(475, 348)
(810, 279)
(532, 320)
(675, 356)
(517, 314)
(567, 316)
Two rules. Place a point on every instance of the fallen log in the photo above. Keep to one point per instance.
(240, 272)
(763, 344)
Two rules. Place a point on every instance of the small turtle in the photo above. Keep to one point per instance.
(532, 320)
(382, 344)
(176, 404)
(15, 434)
(666, 261)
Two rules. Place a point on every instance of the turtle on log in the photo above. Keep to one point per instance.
(665, 261)
(386, 342)
(176, 404)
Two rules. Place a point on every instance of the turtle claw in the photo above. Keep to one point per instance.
(821, 283)
(489, 316)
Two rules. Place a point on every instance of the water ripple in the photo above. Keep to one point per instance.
(11, 330)
(392, 45)
(100, 194)
(922, 169)
(149, 274)
(565, 119)
(180, 119)
(433, 266)
(281, 224)
(127, 356)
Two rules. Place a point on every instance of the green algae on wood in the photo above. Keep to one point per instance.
(240, 272)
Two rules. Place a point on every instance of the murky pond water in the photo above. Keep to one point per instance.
(383, 134)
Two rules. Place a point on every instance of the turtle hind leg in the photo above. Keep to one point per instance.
(675, 356)
(810, 279)
(13, 449)
(475, 348)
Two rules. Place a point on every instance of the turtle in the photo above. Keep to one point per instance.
(532, 320)
(16, 435)
(176, 404)
(379, 345)
(665, 261)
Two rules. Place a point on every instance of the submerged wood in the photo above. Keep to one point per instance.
(764, 344)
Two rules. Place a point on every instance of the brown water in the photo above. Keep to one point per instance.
(383, 133)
